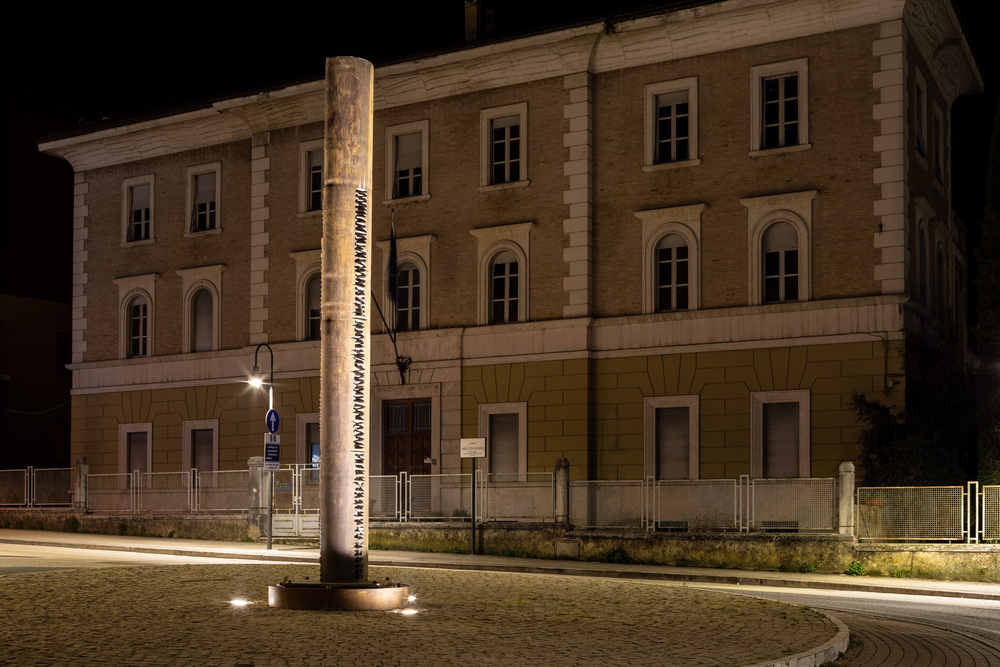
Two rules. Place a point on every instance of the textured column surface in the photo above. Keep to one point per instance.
(344, 349)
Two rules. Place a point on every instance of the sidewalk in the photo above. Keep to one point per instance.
(307, 554)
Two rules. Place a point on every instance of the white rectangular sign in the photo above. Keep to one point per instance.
(272, 451)
(472, 448)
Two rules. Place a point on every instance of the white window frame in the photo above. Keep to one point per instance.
(199, 170)
(757, 401)
(193, 425)
(492, 240)
(799, 67)
(794, 208)
(128, 288)
(417, 251)
(521, 409)
(308, 263)
(393, 131)
(486, 118)
(193, 280)
(302, 420)
(127, 186)
(305, 180)
(652, 91)
(658, 223)
(123, 432)
(650, 405)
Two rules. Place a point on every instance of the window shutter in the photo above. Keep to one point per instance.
(673, 436)
(780, 236)
(781, 439)
(408, 151)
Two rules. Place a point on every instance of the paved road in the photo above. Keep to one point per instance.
(637, 633)
(890, 629)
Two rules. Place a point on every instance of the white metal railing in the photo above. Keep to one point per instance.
(519, 497)
(222, 491)
(167, 492)
(607, 504)
(699, 504)
(439, 496)
(116, 493)
(795, 504)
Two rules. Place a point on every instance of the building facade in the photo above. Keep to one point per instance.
(671, 248)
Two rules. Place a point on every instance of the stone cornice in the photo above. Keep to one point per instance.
(674, 35)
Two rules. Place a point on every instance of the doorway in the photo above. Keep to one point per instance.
(406, 436)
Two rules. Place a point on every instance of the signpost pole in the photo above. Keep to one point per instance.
(473, 507)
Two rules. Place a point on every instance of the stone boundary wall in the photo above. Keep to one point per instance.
(824, 553)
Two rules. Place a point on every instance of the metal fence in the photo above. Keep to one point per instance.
(438, 497)
(519, 497)
(212, 491)
(991, 513)
(800, 504)
(36, 487)
(703, 504)
(607, 504)
(921, 513)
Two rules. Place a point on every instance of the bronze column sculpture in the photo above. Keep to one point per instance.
(344, 356)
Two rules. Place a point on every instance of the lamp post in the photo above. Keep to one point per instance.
(256, 381)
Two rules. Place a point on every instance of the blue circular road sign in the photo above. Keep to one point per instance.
(272, 420)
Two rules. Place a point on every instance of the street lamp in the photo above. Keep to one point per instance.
(257, 381)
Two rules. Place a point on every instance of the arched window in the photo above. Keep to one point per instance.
(201, 321)
(407, 297)
(313, 309)
(671, 273)
(503, 288)
(781, 263)
(138, 327)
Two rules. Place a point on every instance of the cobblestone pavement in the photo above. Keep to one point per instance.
(182, 615)
(887, 643)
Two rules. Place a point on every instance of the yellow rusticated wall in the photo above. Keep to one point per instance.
(601, 400)
(239, 409)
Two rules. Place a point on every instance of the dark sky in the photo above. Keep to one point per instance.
(69, 68)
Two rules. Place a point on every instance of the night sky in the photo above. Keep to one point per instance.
(72, 68)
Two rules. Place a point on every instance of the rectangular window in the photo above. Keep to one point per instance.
(672, 127)
(135, 447)
(920, 113)
(139, 212)
(203, 217)
(409, 165)
(503, 445)
(673, 437)
(504, 146)
(937, 145)
(201, 445)
(504, 425)
(312, 444)
(779, 111)
(203, 198)
(202, 453)
(315, 194)
(504, 289)
(779, 438)
(670, 427)
(137, 209)
(138, 328)
(406, 161)
(505, 138)
(780, 99)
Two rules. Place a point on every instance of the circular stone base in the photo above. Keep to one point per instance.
(360, 596)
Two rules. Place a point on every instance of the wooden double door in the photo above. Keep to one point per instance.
(406, 437)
